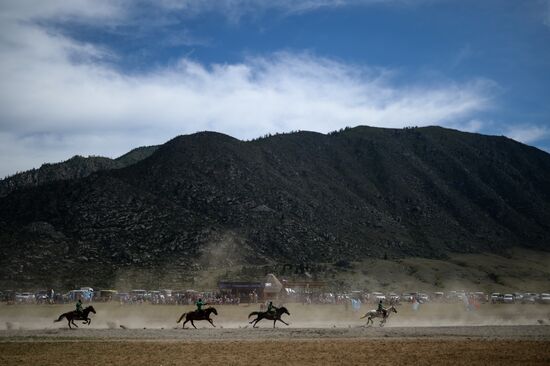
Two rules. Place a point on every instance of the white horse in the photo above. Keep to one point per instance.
(377, 314)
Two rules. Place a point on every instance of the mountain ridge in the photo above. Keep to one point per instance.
(73, 168)
(361, 192)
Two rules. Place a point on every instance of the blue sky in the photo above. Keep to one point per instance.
(101, 77)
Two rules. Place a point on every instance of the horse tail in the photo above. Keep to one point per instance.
(60, 318)
(181, 317)
(253, 313)
(369, 313)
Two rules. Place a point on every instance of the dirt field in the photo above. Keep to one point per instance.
(445, 334)
(279, 352)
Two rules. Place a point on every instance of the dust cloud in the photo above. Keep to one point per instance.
(146, 316)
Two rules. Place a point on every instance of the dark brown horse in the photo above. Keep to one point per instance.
(71, 316)
(198, 315)
(269, 316)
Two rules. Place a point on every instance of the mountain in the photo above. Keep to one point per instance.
(209, 201)
(74, 168)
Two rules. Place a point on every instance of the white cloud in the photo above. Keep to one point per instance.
(528, 133)
(25, 10)
(58, 99)
(235, 9)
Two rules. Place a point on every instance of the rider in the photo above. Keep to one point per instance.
(271, 308)
(381, 308)
(199, 305)
(79, 308)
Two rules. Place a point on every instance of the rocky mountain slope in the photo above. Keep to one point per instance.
(74, 168)
(208, 200)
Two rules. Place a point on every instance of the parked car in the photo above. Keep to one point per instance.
(496, 297)
(422, 297)
(508, 299)
(24, 297)
(544, 298)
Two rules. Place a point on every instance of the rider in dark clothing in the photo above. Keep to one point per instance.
(271, 308)
(381, 308)
(79, 307)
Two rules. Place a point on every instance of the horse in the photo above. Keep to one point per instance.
(377, 314)
(269, 316)
(71, 316)
(198, 315)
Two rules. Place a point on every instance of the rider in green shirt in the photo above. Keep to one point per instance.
(199, 305)
(79, 307)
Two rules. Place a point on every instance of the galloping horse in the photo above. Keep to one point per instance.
(198, 315)
(71, 316)
(269, 316)
(376, 314)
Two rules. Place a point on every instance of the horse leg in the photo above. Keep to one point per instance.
(184, 323)
(255, 321)
(72, 321)
(193, 324)
(281, 320)
(69, 321)
(211, 322)
(274, 321)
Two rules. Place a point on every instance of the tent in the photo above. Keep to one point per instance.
(272, 285)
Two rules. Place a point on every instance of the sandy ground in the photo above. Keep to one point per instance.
(279, 352)
(436, 334)
(111, 315)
